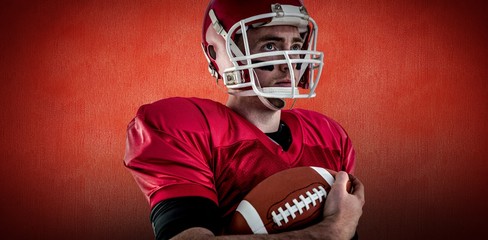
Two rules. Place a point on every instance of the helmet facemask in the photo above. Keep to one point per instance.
(304, 65)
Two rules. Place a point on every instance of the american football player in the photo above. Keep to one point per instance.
(195, 159)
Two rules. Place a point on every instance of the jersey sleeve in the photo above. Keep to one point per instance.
(168, 149)
(332, 135)
(348, 152)
(341, 138)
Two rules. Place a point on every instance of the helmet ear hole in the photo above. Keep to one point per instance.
(211, 52)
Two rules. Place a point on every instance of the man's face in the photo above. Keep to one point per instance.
(274, 38)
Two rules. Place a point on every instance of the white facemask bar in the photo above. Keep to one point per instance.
(308, 64)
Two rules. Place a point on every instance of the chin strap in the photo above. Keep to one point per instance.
(271, 106)
(264, 100)
(270, 90)
(221, 31)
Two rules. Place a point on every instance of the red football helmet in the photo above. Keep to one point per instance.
(231, 18)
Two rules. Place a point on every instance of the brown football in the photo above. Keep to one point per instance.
(288, 200)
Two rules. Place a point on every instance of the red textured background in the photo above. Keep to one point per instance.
(407, 79)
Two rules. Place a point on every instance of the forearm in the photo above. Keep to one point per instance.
(341, 216)
(322, 230)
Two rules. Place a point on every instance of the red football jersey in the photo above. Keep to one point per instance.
(197, 147)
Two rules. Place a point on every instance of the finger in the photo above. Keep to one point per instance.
(358, 188)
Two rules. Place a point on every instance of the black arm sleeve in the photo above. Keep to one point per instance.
(172, 216)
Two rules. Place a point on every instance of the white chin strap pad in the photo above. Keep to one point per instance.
(272, 90)
(265, 101)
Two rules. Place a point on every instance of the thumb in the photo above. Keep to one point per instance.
(341, 179)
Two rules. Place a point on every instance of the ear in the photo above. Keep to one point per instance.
(211, 52)
(215, 50)
(210, 56)
(211, 67)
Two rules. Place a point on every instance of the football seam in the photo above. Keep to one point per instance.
(298, 205)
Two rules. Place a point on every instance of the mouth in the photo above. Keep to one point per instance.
(284, 83)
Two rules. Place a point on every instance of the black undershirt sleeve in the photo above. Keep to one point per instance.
(172, 216)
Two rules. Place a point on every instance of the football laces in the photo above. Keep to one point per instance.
(282, 214)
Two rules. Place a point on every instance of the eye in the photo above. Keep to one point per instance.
(269, 47)
(296, 47)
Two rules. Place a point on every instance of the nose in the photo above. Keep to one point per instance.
(285, 66)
